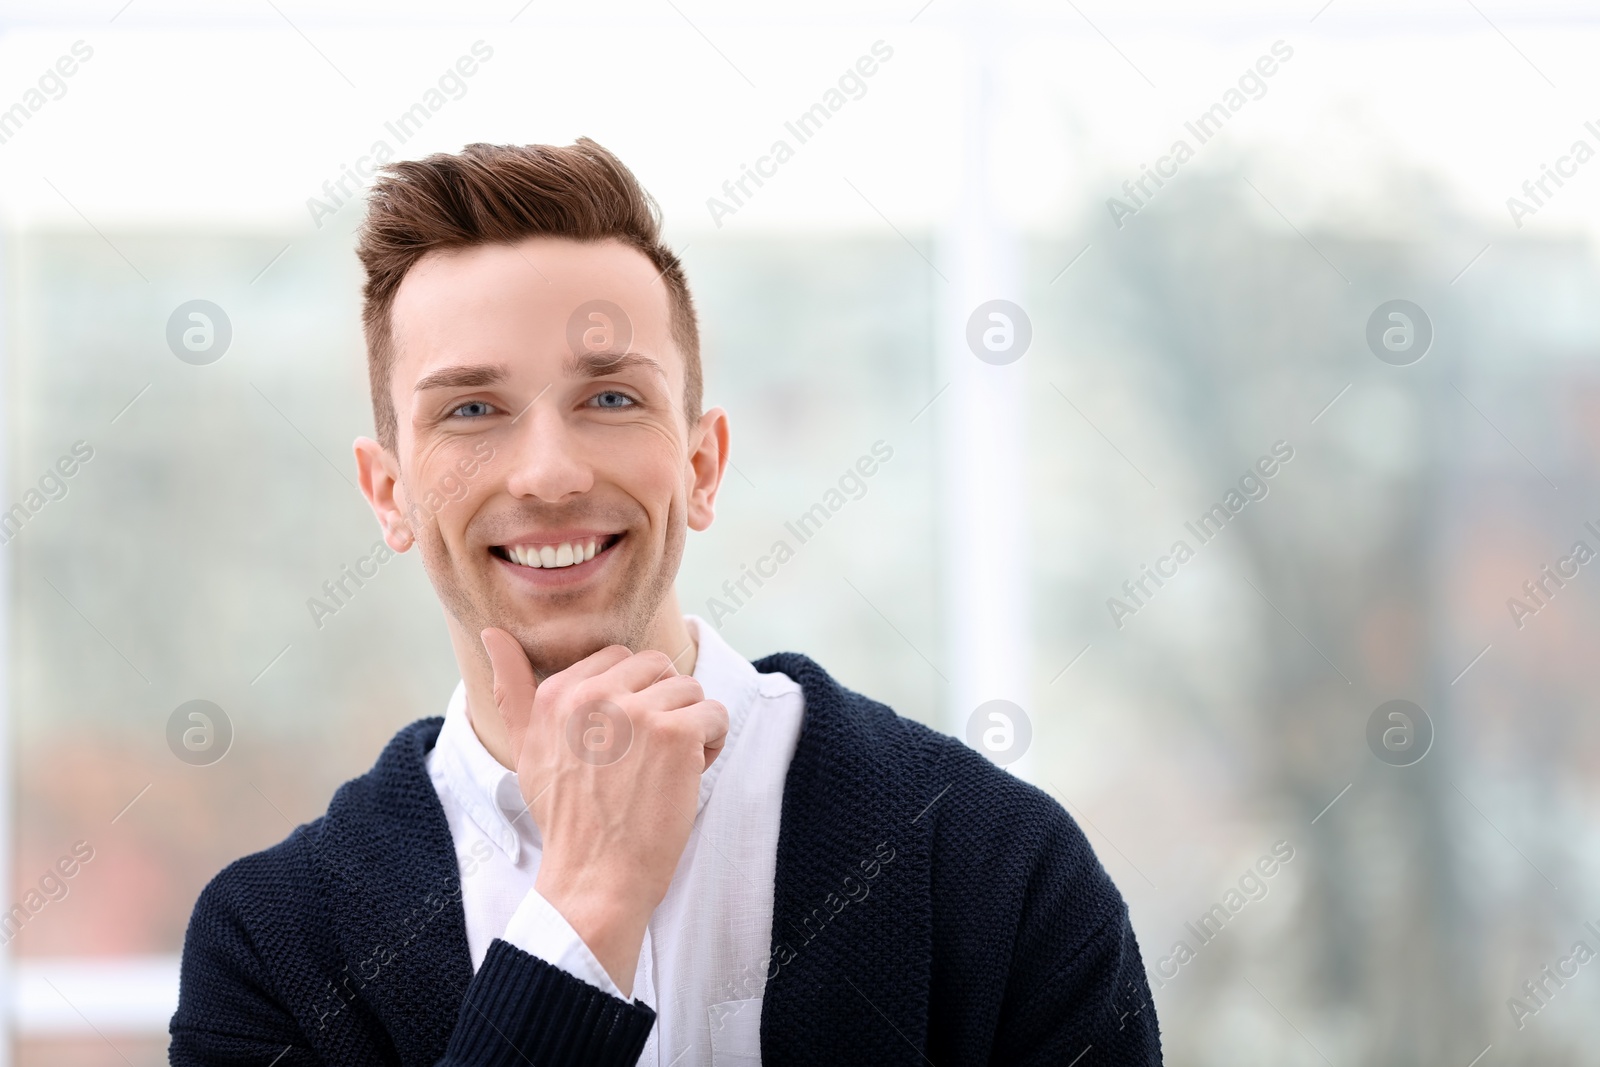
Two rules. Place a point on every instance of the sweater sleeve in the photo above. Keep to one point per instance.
(521, 1009)
(227, 1014)
(1077, 991)
(233, 1010)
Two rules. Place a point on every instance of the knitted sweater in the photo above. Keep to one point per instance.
(928, 908)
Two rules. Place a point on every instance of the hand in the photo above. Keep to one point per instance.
(609, 754)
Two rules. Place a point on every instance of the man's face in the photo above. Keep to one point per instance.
(543, 462)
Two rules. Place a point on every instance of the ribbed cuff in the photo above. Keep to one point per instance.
(521, 1009)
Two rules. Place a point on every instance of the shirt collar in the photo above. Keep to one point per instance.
(488, 792)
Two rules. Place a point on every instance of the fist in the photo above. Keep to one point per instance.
(609, 754)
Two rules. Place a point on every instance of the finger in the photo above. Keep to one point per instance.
(513, 683)
(640, 671)
(670, 694)
(594, 664)
(712, 720)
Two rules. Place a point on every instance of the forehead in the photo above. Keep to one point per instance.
(526, 303)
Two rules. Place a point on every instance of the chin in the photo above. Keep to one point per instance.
(564, 614)
(554, 644)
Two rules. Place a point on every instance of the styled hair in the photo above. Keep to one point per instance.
(500, 194)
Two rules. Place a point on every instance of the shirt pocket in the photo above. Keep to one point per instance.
(735, 1033)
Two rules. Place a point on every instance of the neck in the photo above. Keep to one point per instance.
(668, 633)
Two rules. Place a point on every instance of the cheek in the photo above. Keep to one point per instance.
(654, 478)
(441, 494)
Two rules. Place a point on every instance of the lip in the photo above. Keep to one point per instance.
(559, 577)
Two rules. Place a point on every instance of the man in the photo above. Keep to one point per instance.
(623, 842)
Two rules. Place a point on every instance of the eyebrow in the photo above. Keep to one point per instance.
(589, 365)
(599, 364)
(465, 377)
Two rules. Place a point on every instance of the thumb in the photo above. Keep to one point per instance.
(513, 683)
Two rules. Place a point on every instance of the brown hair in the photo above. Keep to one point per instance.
(498, 194)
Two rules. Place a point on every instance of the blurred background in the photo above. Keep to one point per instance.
(172, 508)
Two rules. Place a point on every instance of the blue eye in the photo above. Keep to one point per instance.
(613, 400)
(473, 409)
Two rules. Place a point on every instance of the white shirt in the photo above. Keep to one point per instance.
(703, 964)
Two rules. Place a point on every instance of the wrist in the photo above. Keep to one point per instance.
(612, 925)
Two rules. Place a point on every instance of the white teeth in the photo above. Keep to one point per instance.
(566, 554)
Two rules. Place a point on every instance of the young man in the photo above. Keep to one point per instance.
(623, 842)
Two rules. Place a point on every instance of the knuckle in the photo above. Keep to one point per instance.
(672, 730)
(583, 692)
(558, 682)
(662, 720)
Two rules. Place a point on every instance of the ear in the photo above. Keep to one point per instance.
(708, 462)
(379, 475)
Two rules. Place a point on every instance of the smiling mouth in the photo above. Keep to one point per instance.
(558, 555)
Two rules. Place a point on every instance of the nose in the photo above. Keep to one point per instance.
(546, 459)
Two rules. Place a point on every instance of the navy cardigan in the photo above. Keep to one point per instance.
(928, 908)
